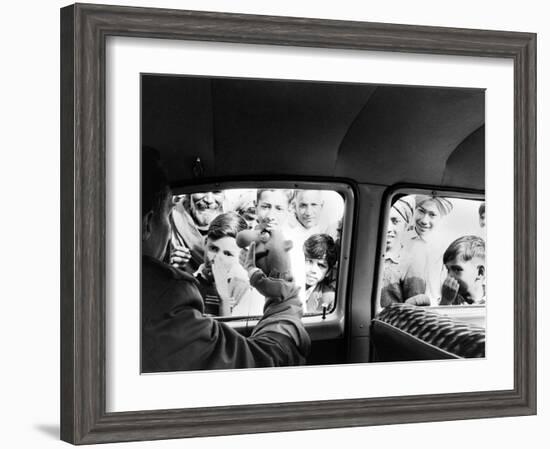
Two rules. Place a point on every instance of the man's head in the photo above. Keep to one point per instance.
(482, 215)
(273, 206)
(465, 261)
(320, 254)
(204, 207)
(428, 213)
(156, 205)
(246, 208)
(308, 204)
(401, 214)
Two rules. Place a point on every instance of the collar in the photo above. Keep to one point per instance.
(392, 256)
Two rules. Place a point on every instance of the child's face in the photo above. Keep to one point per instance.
(482, 220)
(396, 226)
(316, 270)
(470, 276)
(223, 251)
(426, 217)
(273, 208)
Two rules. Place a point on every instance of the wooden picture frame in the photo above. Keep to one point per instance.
(84, 29)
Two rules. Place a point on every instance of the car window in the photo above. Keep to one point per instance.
(433, 254)
(297, 233)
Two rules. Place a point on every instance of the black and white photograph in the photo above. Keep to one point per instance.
(275, 224)
(291, 223)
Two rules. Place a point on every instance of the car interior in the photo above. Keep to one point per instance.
(364, 146)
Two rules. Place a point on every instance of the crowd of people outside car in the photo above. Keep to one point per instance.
(416, 271)
(204, 229)
(193, 266)
(423, 269)
(176, 333)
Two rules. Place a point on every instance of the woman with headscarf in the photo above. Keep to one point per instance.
(403, 278)
(428, 213)
(421, 242)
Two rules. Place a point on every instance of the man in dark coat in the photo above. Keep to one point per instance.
(176, 336)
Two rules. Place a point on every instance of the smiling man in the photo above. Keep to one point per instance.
(190, 220)
(308, 205)
(273, 206)
(428, 214)
(422, 242)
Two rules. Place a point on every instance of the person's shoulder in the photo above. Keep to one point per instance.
(393, 257)
(327, 296)
(328, 291)
(182, 220)
(165, 287)
(159, 269)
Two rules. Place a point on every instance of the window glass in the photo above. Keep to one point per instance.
(297, 235)
(434, 254)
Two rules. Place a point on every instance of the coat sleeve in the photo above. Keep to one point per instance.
(187, 340)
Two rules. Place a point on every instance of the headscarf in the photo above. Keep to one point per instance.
(405, 208)
(245, 201)
(444, 206)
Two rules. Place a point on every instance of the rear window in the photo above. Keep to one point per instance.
(433, 253)
(206, 243)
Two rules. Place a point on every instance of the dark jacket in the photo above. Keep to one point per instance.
(176, 336)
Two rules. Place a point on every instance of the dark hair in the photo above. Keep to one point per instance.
(321, 246)
(228, 224)
(466, 247)
(288, 193)
(481, 209)
(154, 182)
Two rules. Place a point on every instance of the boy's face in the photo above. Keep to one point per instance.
(426, 217)
(470, 276)
(482, 220)
(308, 208)
(316, 270)
(396, 226)
(273, 208)
(222, 251)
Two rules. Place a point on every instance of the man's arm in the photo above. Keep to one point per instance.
(184, 339)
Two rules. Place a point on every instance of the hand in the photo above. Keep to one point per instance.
(237, 271)
(250, 262)
(221, 279)
(179, 256)
(238, 283)
(204, 272)
(419, 300)
(237, 289)
(449, 291)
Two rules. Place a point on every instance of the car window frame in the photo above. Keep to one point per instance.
(320, 326)
(387, 197)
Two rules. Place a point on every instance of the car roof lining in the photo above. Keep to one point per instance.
(256, 128)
